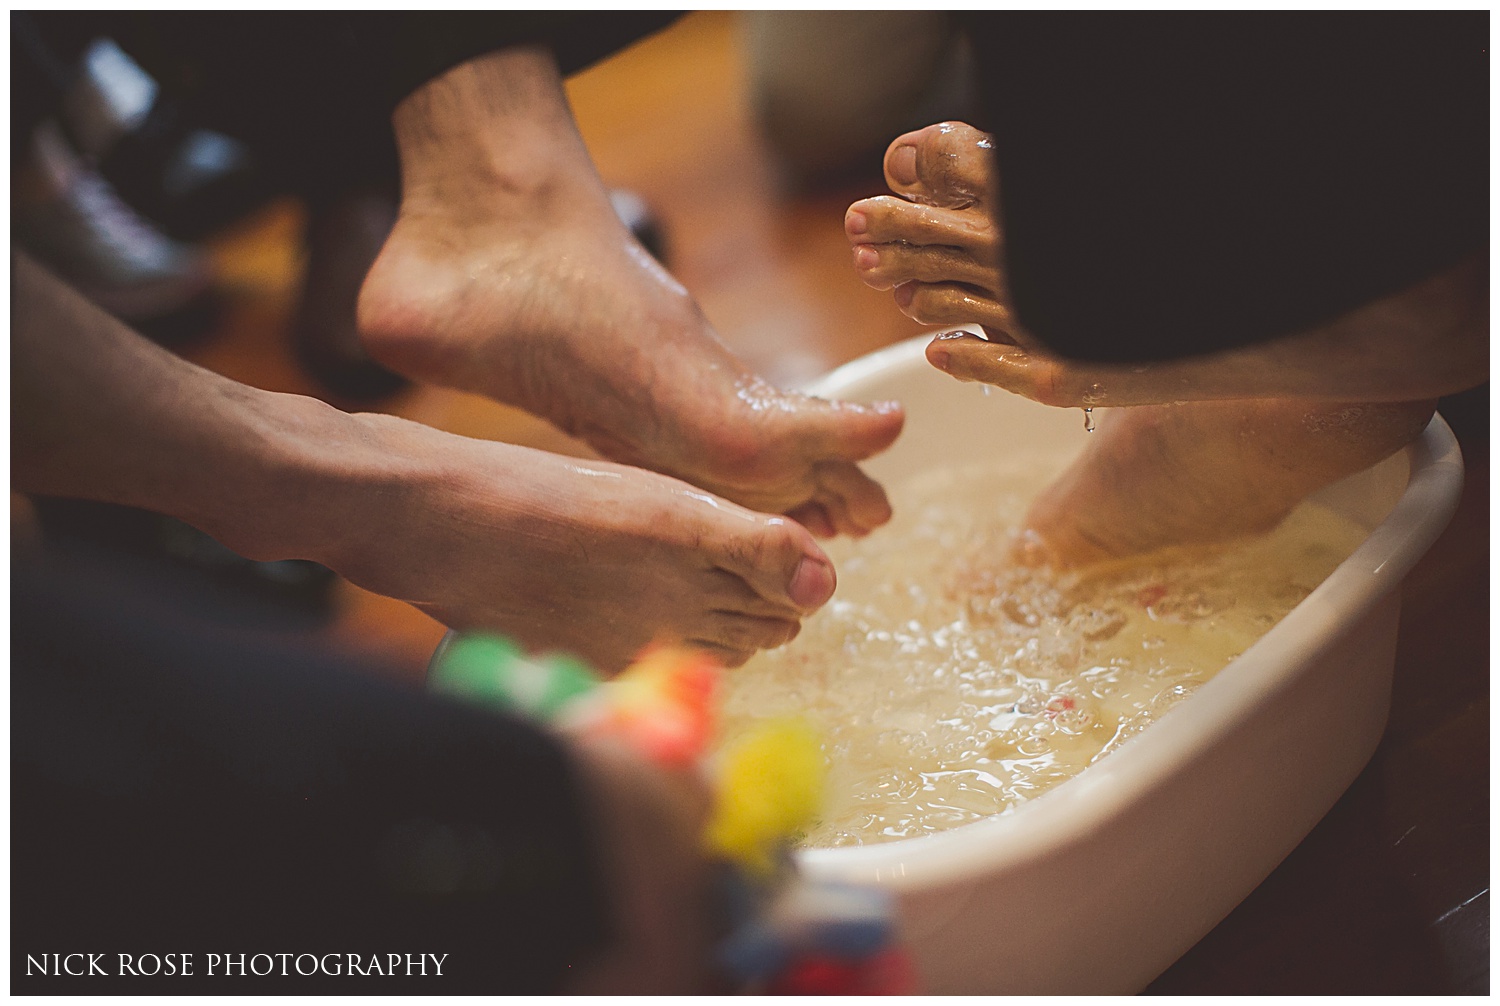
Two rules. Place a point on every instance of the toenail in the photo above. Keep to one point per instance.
(812, 584)
(856, 222)
(866, 257)
(902, 165)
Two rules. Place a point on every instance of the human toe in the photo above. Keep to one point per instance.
(857, 502)
(812, 583)
(790, 431)
(846, 431)
(736, 633)
(815, 517)
(779, 560)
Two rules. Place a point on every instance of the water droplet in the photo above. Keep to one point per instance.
(1088, 419)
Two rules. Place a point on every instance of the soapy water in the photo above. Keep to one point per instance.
(951, 684)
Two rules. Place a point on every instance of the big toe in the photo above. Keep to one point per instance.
(779, 560)
(853, 432)
(946, 164)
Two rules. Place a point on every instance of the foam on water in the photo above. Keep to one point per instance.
(951, 684)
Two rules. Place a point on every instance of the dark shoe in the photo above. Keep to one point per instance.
(71, 219)
(344, 236)
(190, 182)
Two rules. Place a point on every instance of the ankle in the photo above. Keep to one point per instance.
(261, 478)
(496, 126)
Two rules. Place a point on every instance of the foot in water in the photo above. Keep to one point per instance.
(1220, 457)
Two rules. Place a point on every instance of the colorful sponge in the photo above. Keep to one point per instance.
(768, 788)
(787, 935)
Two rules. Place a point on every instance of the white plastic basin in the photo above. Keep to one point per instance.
(1098, 885)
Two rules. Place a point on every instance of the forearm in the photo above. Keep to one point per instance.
(1429, 340)
(101, 413)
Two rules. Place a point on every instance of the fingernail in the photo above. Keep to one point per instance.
(937, 357)
(866, 257)
(904, 293)
(902, 165)
(812, 584)
(856, 222)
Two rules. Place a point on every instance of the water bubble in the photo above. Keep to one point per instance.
(1097, 624)
(1033, 745)
(1169, 697)
(940, 655)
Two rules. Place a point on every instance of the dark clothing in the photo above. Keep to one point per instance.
(312, 93)
(1178, 183)
(179, 786)
(1173, 183)
(182, 787)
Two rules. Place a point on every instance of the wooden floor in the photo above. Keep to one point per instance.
(1389, 894)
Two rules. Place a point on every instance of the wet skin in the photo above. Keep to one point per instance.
(509, 274)
(1209, 448)
(590, 557)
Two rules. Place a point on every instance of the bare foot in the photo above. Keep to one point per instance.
(1200, 472)
(591, 557)
(509, 274)
(1210, 449)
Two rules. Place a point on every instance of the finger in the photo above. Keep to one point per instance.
(951, 304)
(970, 358)
(885, 266)
(1052, 381)
(883, 219)
(946, 164)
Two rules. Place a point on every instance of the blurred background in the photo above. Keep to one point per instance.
(739, 184)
